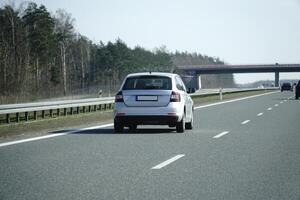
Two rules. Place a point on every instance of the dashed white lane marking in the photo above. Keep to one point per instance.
(269, 108)
(260, 114)
(276, 105)
(281, 101)
(221, 134)
(245, 122)
(167, 162)
(285, 100)
(52, 135)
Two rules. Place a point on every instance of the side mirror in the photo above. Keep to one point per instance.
(191, 90)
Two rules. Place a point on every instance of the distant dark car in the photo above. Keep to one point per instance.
(297, 90)
(286, 86)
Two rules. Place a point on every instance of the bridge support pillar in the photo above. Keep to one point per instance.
(276, 79)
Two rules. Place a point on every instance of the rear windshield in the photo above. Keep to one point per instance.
(148, 83)
(286, 84)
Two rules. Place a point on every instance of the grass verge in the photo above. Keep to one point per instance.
(41, 127)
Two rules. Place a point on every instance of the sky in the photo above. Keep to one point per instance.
(236, 31)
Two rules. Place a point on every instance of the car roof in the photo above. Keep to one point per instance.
(170, 75)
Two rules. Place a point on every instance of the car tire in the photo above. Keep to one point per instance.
(118, 127)
(132, 127)
(190, 124)
(180, 126)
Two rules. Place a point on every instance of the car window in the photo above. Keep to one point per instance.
(179, 84)
(148, 83)
(182, 84)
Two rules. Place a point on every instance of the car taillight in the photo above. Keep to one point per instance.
(119, 97)
(175, 97)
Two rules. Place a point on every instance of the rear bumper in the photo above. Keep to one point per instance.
(147, 120)
(288, 89)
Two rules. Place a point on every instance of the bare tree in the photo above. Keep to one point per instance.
(65, 31)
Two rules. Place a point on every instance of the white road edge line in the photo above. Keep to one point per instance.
(269, 108)
(221, 134)
(233, 100)
(107, 125)
(245, 122)
(169, 161)
(52, 135)
(260, 114)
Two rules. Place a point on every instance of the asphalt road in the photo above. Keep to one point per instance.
(233, 152)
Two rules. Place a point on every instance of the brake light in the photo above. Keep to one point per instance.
(119, 97)
(175, 97)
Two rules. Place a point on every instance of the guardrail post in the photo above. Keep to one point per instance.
(78, 110)
(83, 109)
(100, 107)
(221, 94)
(43, 113)
(95, 108)
(104, 106)
(35, 115)
(7, 118)
(51, 113)
(89, 108)
(65, 111)
(58, 112)
(26, 116)
(71, 110)
(17, 117)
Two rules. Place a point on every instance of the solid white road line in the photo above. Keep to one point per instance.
(269, 108)
(221, 134)
(276, 105)
(260, 114)
(245, 122)
(233, 100)
(167, 162)
(31, 139)
(52, 135)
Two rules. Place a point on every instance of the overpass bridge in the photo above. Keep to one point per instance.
(193, 71)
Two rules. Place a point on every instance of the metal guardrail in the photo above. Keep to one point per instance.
(32, 111)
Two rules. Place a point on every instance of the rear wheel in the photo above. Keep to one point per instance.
(180, 126)
(132, 127)
(190, 124)
(118, 127)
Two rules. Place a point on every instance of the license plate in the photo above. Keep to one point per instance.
(146, 98)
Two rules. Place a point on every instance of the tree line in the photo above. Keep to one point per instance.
(42, 56)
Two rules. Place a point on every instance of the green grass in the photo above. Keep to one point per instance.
(41, 127)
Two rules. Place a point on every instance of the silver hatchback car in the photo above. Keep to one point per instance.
(153, 98)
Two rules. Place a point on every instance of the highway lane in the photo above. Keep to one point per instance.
(256, 160)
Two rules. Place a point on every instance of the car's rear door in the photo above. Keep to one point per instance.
(187, 99)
